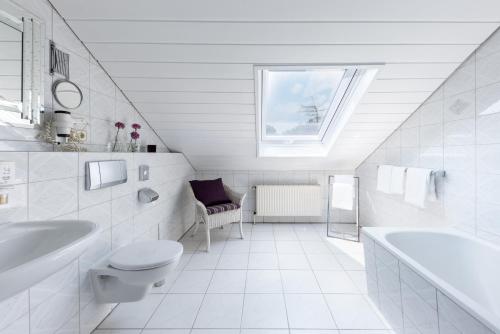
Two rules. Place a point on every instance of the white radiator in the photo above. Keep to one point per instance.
(288, 200)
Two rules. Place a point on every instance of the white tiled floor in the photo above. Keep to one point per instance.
(282, 279)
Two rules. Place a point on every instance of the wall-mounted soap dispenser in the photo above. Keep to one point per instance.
(147, 195)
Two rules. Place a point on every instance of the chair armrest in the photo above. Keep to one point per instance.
(201, 207)
(234, 196)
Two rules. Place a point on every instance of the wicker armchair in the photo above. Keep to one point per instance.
(219, 215)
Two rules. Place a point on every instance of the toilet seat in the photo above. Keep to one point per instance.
(146, 255)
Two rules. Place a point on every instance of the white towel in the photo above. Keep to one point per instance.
(398, 180)
(418, 186)
(384, 178)
(343, 192)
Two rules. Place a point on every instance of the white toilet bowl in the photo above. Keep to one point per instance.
(128, 274)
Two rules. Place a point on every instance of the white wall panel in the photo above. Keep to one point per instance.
(282, 33)
(199, 118)
(399, 97)
(191, 97)
(186, 85)
(284, 10)
(162, 69)
(191, 108)
(405, 85)
(381, 108)
(189, 66)
(255, 54)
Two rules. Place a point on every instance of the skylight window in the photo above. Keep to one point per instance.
(301, 109)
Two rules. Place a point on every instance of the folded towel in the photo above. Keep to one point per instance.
(398, 180)
(419, 186)
(343, 192)
(384, 178)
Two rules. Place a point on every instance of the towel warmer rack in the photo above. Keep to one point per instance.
(343, 235)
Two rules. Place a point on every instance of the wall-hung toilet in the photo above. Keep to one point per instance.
(128, 274)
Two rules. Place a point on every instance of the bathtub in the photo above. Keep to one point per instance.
(433, 280)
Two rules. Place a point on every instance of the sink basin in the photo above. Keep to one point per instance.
(32, 251)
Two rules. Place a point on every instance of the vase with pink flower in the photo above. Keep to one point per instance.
(119, 126)
(134, 135)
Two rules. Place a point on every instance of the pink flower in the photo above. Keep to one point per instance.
(136, 126)
(134, 135)
(120, 125)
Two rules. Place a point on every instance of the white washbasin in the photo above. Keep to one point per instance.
(31, 251)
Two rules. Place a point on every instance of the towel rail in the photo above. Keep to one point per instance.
(436, 173)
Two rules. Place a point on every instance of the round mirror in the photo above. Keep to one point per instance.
(67, 94)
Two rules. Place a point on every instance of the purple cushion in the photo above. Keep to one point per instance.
(222, 208)
(210, 192)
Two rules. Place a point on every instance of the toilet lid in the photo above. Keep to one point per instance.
(146, 255)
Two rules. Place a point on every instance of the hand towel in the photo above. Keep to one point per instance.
(418, 185)
(343, 192)
(384, 178)
(398, 180)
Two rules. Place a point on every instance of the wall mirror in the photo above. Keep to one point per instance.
(67, 94)
(21, 67)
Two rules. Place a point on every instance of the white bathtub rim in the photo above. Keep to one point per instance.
(476, 310)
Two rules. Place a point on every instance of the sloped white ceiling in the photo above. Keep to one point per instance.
(188, 65)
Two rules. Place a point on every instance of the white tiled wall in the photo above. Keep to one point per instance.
(458, 130)
(243, 181)
(103, 103)
(50, 185)
(408, 301)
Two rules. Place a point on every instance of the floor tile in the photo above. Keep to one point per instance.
(263, 281)
(220, 311)
(215, 331)
(314, 331)
(264, 331)
(335, 282)
(262, 235)
(233, 261)
(228, 281)
(299, 281)
(353, 312)
(308, 311)
(308, 236)
(192, 281)
(263, 261)
(237, 246)
(351, 261)
(165, 331)
(366, 331)
(293, 261)
(291, 247)
(263, 246)
(315, 247)
(118, 331)
(263, 227)
(203, 260)
(285, 236)
(324, 262)
(133, 315)
(264, 311)
(176, 311)
(263, 285)
(359, 279)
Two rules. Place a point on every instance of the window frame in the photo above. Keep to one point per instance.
(330, 114)
(312, 145)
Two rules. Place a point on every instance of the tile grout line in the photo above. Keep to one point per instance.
(317, 282)
(281, 280)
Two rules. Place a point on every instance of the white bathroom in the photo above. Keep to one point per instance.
(259, 167)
